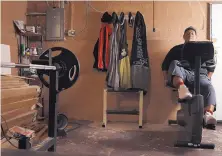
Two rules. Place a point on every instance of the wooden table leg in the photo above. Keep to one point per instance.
(141, 109)
(104, 108)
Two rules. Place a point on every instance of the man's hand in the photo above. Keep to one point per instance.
(209, 75)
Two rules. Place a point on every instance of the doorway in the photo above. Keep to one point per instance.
(216, 37)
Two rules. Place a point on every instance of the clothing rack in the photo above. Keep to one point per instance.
(126, 17)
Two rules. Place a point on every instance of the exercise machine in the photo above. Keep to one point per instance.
(190, 116)
(62, 71)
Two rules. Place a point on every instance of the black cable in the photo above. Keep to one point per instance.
(6, 125)
(8, 129)
(153, 18)
(5, 135)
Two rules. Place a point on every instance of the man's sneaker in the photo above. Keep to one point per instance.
(184, 92)
(209, 121)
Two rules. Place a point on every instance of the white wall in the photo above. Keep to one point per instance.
(217, 76)
(5, 57)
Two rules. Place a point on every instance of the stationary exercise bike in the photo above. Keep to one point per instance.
(190, 116)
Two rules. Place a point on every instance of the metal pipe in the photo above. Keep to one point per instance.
(197, 75)
(35, 14)
(31, 66)
(61, 4)
(126, 112)
(45, 145)
(52, 122)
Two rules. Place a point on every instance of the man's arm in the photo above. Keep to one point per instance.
(173, 54)
(210, 69)
(166, 63)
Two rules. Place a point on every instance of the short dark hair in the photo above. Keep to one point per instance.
(190, 28)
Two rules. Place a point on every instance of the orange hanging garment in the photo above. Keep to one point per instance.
(103, 47)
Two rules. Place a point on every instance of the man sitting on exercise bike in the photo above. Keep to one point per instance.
(183, 79)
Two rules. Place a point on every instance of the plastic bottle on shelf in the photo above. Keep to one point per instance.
(34, 52)
(22, 46)
(28, 51)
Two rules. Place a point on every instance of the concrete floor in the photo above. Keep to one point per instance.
(120, 139)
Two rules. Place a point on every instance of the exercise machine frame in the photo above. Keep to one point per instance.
(50, 142)
(192, 111)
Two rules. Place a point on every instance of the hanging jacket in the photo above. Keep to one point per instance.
(95, 54)
(130, 20)
(101, 48)
(113, 78)
(125, 79)
(140, 73)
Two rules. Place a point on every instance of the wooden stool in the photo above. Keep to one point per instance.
(131, 112)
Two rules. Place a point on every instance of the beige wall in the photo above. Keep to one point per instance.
(84, 99)
(11, 11)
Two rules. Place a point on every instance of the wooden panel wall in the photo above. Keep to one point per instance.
(11, 10)
(84, 99)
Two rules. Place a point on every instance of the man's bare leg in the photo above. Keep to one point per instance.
(209, 118)
(209, 108)
(182, 89)
(177, 81)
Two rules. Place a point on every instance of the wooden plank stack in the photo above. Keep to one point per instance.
(17, 98)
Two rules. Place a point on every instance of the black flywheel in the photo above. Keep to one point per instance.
(69, 67)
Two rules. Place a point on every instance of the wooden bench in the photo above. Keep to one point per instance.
(131, 112)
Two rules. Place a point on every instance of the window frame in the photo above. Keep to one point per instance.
(209, 17)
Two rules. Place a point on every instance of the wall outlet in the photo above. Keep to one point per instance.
(71, 33)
